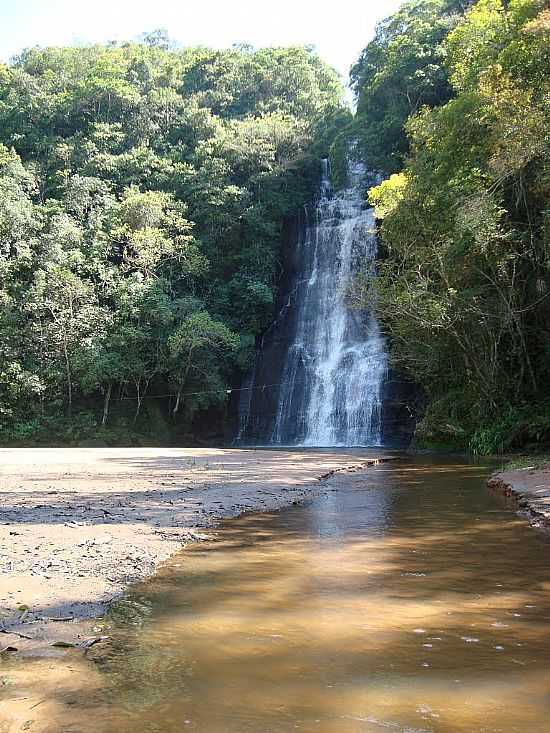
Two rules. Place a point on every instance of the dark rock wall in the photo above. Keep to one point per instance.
(253, 410)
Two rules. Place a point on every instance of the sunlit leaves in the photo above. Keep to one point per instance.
(142, 188)
(463, 292)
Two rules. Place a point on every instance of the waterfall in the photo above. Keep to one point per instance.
(326, 387)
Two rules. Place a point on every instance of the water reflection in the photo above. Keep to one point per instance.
(406, 600)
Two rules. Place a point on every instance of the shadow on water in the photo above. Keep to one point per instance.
(406, 599)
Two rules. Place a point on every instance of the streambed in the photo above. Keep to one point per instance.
(407, 598)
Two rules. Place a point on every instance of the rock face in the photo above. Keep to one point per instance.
(321, 376)
(400, 408)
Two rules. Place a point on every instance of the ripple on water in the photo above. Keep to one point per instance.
(310, 619)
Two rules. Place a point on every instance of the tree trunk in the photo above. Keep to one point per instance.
(182, 383)
(178, 398)
(69, 385)
(140, 395)
(106, 405)
(138, 404)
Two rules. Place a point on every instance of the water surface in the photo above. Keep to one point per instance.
(406, 599)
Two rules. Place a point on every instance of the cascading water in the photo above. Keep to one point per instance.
(329, 380)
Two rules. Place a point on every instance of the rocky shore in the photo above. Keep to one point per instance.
(528, 490)
(78, 526)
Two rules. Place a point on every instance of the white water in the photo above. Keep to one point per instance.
(335, 366)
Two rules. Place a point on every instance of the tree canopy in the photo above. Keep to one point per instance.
(143, 190)
(464, 289)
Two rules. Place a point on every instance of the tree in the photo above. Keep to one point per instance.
(399, 72)
(143, 185)
(464, 290)
(64, 315)
(195, 346)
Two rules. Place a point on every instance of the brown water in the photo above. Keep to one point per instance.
(407, 599)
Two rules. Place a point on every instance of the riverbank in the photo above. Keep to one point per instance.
(527, 489)
(327, 611)
(78, 526)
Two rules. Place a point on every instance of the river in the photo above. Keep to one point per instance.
(407, 598)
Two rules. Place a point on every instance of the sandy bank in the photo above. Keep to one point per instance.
(77, 526)
(528, 489)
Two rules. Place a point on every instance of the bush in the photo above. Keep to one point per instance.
(516, 428)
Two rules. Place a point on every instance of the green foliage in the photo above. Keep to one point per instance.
(516, 427)
(195, 347)
(142, 195)
(401, 70)
(387, 195)
(464, 291)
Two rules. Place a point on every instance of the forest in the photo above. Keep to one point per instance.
(144, 189)
(454, 109)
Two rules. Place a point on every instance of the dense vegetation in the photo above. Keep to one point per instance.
(142, 194)
(400, 71)
(454, 101)
(143, 190)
